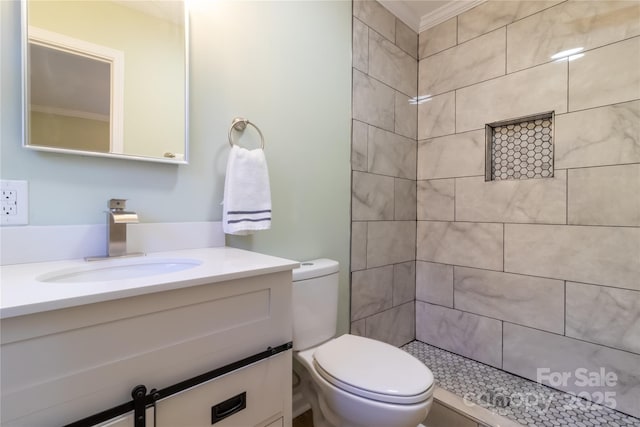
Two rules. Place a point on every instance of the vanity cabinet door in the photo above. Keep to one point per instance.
(250, 396)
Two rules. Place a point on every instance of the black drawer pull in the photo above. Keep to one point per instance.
(229, 407)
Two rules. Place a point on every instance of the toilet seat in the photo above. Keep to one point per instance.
(361, 366)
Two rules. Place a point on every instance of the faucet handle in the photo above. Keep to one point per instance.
(118, 204)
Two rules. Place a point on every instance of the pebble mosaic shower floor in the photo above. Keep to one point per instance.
(513, 397)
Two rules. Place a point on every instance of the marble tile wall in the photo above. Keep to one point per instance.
(383, 163)
(460, 154)
(437, 116)
(531, 91)
(434, 283)
(591, 84)
(608, 135)
(471, 244)
(523, 201)
(462, 65)
(435, 198)
(526, 350)
(526, 300)
(495, 14)
(476, 337)
(603, 315)
(533, 40)
(541, 273)
(607, 256)
(594, 195)
(395, 326)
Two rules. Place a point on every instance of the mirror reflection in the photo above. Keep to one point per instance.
(107, 78)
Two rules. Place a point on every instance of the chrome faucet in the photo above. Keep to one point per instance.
(117, 222)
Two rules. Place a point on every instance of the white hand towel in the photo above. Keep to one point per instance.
(247, 195)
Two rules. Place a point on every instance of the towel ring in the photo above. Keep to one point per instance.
(240, 124)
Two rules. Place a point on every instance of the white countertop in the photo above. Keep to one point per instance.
(22, 293)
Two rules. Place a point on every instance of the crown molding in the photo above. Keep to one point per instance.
(402, 12)
(446, 12)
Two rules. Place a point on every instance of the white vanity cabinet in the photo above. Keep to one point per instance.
(60, 366)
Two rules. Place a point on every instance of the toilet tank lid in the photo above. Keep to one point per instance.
(315, 268)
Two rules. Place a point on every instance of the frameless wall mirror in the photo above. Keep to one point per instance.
(106, 78)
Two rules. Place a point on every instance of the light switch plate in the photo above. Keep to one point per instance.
(15, 202)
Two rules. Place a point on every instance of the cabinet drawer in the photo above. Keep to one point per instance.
(265, 384)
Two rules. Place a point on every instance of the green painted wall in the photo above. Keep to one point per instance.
(284, 65)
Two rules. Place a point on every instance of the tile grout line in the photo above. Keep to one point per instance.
(529, 275)
(494, 29)
(504, 246)
(458, 30)
(506, 48)
(455, 112)
(564, 306)
(502, 344)
(453, 288)
(522, 325)
(455, 206)
(566, 196)
(533, 66)
(535, 224)
(351, 163)
(568, 86)
(557, 114)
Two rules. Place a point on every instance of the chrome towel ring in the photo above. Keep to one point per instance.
(240, 124)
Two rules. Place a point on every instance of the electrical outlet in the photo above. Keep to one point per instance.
(9, 195)
(9, 209)
(15, 202)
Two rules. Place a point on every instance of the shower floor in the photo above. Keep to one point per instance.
(523, 401)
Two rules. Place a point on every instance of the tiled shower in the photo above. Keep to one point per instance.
(383, 158)
(520, 274)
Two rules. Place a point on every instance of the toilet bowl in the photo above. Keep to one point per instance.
(351, 381)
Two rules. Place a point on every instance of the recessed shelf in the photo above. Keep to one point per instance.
(520, 148)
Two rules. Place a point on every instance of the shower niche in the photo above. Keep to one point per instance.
(519, 148)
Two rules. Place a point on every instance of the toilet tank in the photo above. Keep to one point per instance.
(315, 302)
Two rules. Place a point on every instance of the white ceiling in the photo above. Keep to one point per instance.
(423, 14)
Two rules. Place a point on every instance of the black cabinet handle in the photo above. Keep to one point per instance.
(229, 407)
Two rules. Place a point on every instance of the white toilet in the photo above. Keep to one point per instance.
(350, 381)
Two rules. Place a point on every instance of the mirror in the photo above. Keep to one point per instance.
(106, 78)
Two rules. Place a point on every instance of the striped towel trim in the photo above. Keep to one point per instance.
(235, 217)
(235, 221)
(248, 212)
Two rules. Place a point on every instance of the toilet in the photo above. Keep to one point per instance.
(350, 381)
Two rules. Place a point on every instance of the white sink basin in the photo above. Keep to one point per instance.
(121, 269)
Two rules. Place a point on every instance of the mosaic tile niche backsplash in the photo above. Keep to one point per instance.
(520, 149)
